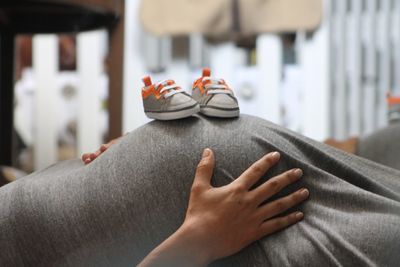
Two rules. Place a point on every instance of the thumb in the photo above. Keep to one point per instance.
(205, 168)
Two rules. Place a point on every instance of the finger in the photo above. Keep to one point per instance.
(92, 156)
(205, 168)
(104, 147)
(257, 170)
(276, 184)
(276, 224)
(278, 206)
(97, 153)
(85, 156)
(87, 161)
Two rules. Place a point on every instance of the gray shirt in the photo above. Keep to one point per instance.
(118, 208)
(382, 146)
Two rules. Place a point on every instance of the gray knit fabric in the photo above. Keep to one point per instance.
(383, 146)
(118, 208)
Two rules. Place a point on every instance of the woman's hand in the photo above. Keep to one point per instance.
(231, 217)
(89, 157)
(221, 221)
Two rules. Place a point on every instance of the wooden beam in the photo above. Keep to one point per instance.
(115, 68)
(6, 96)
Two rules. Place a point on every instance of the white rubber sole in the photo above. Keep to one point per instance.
(220, 113)
(174, 115)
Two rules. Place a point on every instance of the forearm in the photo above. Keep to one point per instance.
(180, 249)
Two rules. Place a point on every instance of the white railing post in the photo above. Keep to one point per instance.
(396, 45)
(90, 61)
(269, 62)
(134, 68)
(45, 67)
(315, 62)
(370, 75)
(353, 40)
(197, 49)
(384, 62)
(222, 60)
(339, 89)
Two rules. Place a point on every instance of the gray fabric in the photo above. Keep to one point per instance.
(118, 208)
(382, 146)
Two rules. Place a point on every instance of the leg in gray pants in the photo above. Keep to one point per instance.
(115, 210)
(383, 146)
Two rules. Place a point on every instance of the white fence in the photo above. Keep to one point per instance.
(347, 66)
(342, 72)
(259, 87)
(41, 123)
(366, 63)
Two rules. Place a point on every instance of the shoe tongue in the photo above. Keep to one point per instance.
(213, 81)
(167, 82)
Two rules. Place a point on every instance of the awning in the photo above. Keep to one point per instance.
(221, 17)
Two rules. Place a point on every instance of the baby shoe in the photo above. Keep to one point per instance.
(165, 100)
(215, 97)
(393, 108)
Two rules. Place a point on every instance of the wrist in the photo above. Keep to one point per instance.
(185, 247)
(197, 247)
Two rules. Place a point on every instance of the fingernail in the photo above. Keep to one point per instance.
(304, 192)
(206, 152)
(275, 155)
(299, 215)
(298, 172)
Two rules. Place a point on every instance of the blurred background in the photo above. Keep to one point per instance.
(71, 70)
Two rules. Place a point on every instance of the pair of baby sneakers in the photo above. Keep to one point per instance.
(166, 100)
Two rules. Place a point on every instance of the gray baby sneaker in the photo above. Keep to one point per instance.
(165, 100)
(215, 97)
